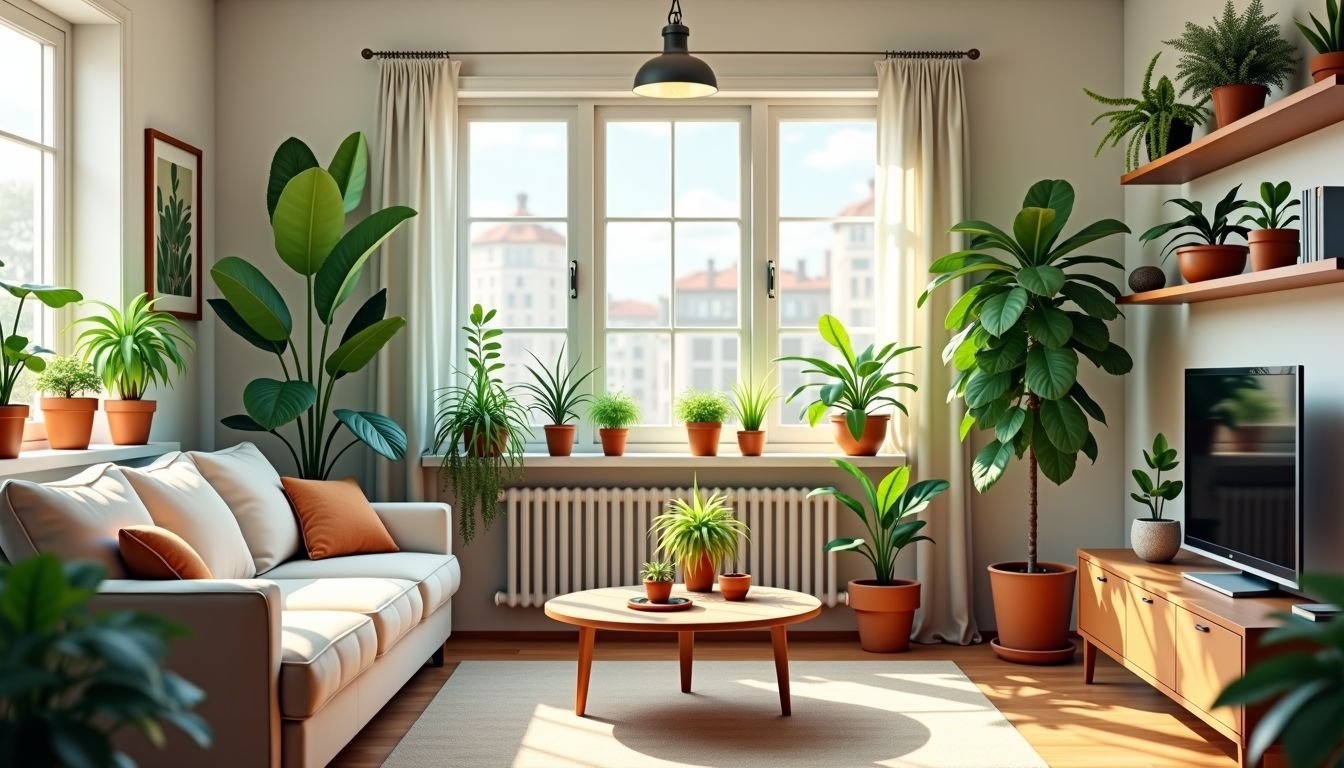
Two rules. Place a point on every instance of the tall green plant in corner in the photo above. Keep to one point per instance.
(308, 206)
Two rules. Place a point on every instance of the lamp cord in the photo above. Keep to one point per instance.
(674, 15)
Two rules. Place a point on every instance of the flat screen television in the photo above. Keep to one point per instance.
(1243, 475)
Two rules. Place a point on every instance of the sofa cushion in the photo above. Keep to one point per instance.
(336, 518)
(321, 653)
(250, 486)
(74, 519)
(393, 605)
(155, 553)
(436, 576)
(180, 499)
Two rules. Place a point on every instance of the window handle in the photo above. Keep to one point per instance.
(573, 279)
(770, 279)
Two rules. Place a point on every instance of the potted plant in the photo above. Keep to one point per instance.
(734, 586)
(1235, 60)
(481, 427)
(1244, 412)
(658, 576)
(858, 386)
(1328, 40)
(19, 356)
(699, 534)
(1272, 244)
(76, 679)
(1155, 538)
(1201, 246)
(1155, 120)
(556, 395)
(884, 606)
(69, 417)
(1021, 333)
(613, 413)
(751, 402)
(132, 351)
(703, 414)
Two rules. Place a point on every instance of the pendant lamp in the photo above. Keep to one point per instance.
(675, 74)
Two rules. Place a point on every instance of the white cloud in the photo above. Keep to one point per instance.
(848, 148)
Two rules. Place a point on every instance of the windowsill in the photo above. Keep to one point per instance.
(678, 460)
(44, 459)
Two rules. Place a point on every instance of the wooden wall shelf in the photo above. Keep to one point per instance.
(1306, 275)
(1315, 107)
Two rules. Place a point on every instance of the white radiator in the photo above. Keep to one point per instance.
(568, 539)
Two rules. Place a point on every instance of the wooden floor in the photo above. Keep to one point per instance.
(1116, 723)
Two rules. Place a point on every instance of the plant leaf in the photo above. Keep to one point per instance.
(273, 404)
(382, 434)
(350, 168)
(1000, 313)
(359, 349)
(290, 159)
(1051, 372)
(253, 297)
(308, 220)
(340, 272)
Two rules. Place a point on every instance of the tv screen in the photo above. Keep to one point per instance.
(1243, 459)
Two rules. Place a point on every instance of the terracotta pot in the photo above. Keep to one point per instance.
(479, 445)
(1209, 262)
(1032, 610)
(1247, 439)
(1156, 541)
(658, 591)
(751, 442)
(703, 437)
(874, 432)
(1233, 102)
(560, 439)
(129, 420)
(1272, 248)
(613, 441)
(69, 421)
(885, 613)
(699, 576)
(734, 586)
(1325, 65)
(12, 420)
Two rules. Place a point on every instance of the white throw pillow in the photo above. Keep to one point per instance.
(180, 499)
(251, 488)
(74, 519)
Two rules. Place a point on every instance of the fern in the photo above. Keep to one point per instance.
(1147, 118)
(1237, 49)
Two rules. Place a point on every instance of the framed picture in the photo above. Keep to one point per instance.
(173, 225)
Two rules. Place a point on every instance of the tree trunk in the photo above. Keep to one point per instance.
(1033, 405)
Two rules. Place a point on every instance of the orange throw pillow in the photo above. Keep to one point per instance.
(336, 519)
(151, 552)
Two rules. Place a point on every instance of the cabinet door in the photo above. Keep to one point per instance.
(1208, 657)
(1150, 634)
(1101, 605)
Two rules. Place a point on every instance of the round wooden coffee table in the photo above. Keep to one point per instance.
(764, 607)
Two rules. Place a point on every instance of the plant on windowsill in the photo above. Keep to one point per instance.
(613, 413)
(658, 576)
(1020, 335)
(703, 413)
(68, 417)
(884, 606)
(1272, 243)
(1202, 250)
(556, 395)
(1328, 41)
(132, 350)
(1155, 121)
(1155, 538)
(751, 402)
(20, 355)
(699, 534)
(859, 385)
(481, 427)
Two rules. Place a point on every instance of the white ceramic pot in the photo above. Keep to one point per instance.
(1156, 541)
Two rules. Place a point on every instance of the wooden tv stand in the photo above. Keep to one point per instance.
(1183, 639)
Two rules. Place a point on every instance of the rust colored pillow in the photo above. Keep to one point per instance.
(151, 552)
(336, 519)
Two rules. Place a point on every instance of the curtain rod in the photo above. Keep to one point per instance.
(970, 53)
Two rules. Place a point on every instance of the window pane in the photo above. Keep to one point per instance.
(22, 85)
(521, 269)
(639, 268)
(827, 267)
(706, 361)
(518, 169)
(708, 169)
(639, 169)
(707, 274)
(826, 168)
(641, 365)
(21, 213)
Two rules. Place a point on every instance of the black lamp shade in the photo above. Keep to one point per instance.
(675, 74)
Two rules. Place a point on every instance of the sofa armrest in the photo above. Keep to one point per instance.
(418, 526)
(231, 651)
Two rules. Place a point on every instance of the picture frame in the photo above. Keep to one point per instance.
(173, 225)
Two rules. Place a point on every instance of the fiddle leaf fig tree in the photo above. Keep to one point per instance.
(308, 207)
(1021, 333)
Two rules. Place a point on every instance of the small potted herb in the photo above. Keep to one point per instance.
(20, 356)
(699, 534)
(703, 413)
(1155, 121)
(658, 576)
(1155, 538)
(1201, 246)
(751, 402)
(1328, 40)
(613, 413)
(1272, 243)
(556, 395)
(68, 416)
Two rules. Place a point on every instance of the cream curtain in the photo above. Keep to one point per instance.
(921, 192)
(414, 151)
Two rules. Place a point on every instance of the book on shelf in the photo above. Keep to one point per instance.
(1322, 222)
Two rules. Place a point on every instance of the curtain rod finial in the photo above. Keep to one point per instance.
(973, 54)
(367, 53)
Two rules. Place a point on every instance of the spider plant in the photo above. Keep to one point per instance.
(658, 570)
(1147, 119)
(698, 529)
(555, 390)
(751, 402)
(133, 350)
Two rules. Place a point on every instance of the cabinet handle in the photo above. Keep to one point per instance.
(1201, 628)
(1147, 600)
(1101, 578)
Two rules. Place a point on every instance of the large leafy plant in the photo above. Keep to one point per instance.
(1147, 119)
(134, 349)
(1195, 228)
(73, 679)
(1021, 333)
(1236, 49)
(308, 207)
(1327, 37)
(17, 354)
(172, 252)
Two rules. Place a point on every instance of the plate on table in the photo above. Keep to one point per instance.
(672, 604)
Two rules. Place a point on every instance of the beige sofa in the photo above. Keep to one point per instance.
(295, 659)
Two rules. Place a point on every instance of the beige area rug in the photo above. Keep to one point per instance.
(878, 713)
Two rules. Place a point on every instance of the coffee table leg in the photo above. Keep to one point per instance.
(586, 637)
(685, 643)
(780, 639)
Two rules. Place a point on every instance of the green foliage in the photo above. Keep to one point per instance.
(1153, 493)
(658, 570)
(689, 530)
(702, 407)
(751, 403)
(1195, 228)
(481, 427)
(1273, 207)
(887, 516)
(308, 208)
(72, 679)
(132, 350)
(1236, 49)
(68, 377)
(555, 390)
(16, 354)
(1246, 406)
(1327, 37)
(858, 385)
(172, 252)
(1303, 684)
(1147, 118)
(614, 410)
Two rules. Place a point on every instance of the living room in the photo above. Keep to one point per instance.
(418, 383)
